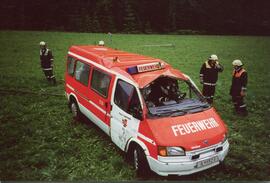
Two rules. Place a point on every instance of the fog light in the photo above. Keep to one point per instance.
(219, 149)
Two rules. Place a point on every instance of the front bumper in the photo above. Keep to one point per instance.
(165, 166)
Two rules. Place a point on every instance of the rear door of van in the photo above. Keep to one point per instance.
(78, 78)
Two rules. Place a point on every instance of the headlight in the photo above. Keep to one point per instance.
(224, 138)
(171, 151)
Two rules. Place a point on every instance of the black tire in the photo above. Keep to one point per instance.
(140, 162)
(76, 113)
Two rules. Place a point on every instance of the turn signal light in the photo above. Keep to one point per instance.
(162, 151)
(171, 151)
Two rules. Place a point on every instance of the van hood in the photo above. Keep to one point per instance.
(191, 131)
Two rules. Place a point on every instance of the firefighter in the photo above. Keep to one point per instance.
(239, 87)
(209, 76)
(46, 61)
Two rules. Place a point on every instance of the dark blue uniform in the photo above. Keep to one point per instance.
(239, 84)
(209, 77)
(46, 62)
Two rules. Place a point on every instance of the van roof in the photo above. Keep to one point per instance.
(107, 55)
(116, 59)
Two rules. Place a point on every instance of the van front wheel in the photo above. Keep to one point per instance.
(140, 162)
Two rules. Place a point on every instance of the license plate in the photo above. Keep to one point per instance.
(207, 162)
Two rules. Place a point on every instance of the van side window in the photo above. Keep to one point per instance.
(100, 82)
(82, 72)
(70, 65)
(126, 97)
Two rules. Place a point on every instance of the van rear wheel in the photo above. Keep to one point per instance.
(140, 162)
(76, 114)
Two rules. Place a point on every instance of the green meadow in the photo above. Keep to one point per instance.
(40, 141)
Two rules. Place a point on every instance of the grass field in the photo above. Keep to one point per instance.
(38, 140)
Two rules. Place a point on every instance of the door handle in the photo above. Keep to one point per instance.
(123, 115)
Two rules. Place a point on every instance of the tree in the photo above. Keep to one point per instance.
(130, 21)
(146, 16)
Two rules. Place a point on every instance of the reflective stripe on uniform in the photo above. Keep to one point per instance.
(241, 106)
(210, 84)
(53, 76)
(45, 53)
(47, 69)
(208, 97)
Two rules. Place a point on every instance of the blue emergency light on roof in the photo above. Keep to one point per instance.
(145, 67)
(132, 70)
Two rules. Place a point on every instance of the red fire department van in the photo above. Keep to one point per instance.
(150, 110)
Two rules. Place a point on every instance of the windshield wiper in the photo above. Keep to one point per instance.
(197, 108)
(178, 113)
(178, 110)
(169, 112)
(189, 110)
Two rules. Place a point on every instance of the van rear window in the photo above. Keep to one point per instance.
(70, 65)
(100, 82)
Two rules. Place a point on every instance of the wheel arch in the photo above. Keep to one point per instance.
(72, 97)
(132, 143)
(143, 165)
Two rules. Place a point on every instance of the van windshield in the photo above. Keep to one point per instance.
(167, 96)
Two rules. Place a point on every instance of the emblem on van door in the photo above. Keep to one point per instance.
(124, 122)
(205, 142)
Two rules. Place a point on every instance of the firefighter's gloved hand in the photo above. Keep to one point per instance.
(218, 66)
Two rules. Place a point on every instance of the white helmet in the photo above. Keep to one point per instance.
(213, 57)
(42, 43)
(237, 63)
(101, 43)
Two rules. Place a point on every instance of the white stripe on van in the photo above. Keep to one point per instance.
(96, 106)
(146, 139)
(91, 102)
(70, 87)
(90, 115)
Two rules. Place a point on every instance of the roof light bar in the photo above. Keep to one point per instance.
(145, 68)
